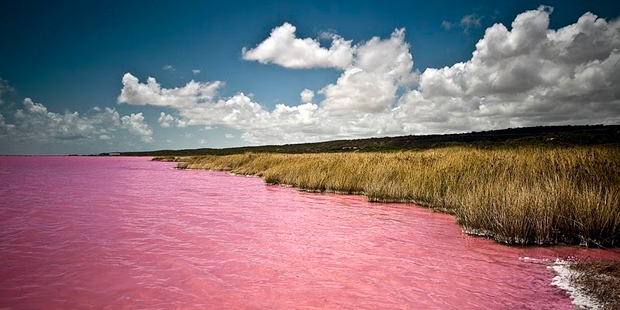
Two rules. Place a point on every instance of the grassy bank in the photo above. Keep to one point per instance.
(600, 280)
(528, 195)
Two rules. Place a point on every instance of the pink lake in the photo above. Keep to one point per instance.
(128, 233)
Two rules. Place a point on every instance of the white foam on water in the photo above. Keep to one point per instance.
(534, 260)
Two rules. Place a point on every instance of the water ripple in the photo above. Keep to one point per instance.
(127, 233)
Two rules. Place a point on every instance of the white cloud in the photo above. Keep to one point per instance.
(528, 75)
(283, 48)
(169, 68)
(305, 122)
(196, 71)
(136, 125)
(374, 70)
(229, 136)
(379, 68)
(306, 95)
(165, 120)
(151, 93)
(35, 123)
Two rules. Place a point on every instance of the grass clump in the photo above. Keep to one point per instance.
(526, 195)
(169, 158)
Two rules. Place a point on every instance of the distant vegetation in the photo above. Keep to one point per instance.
(524, 195)
(556, 136)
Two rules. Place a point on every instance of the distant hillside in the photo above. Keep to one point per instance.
(550, 135)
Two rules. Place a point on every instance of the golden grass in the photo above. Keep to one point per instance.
(169, 158)
(527, 195)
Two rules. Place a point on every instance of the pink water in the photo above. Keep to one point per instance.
(128, 233)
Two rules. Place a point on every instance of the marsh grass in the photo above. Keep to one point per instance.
(526, 195)
(169, 158)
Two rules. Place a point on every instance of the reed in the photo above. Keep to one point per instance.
(525, 195)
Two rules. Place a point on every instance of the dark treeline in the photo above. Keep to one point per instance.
(506, 138)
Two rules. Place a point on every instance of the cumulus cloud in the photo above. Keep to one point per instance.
(353, 105)
(136, 125)
(165, 120)
(153, 94)
(379, 68)
(373, 70)
(529, 75)
(283, 48)
(196, 71)
(168, 68)
(524, 75)
(34, 122)
(306, 95)
(285, 123)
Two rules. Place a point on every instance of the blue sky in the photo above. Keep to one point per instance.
(71, 56)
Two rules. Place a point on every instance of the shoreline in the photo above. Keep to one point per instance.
(468, 231)
(579, 279)
(526, 196)
(582, 280)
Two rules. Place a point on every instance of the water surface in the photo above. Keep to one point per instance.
(128, 233)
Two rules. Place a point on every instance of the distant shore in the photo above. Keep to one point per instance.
(543, 136)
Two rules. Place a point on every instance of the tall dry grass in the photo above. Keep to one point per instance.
(528, 195)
